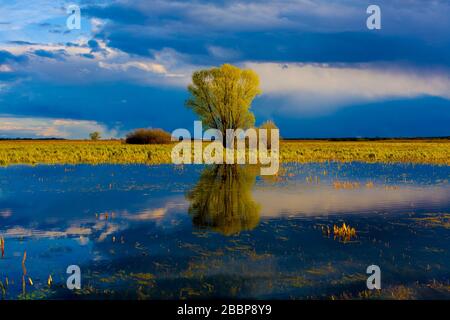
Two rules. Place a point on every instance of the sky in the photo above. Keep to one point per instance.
(323, 72)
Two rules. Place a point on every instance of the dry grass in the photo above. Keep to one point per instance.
(97, 152)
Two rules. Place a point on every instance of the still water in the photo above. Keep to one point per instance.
(172, 232)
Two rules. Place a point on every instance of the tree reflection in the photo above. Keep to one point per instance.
(222, 199)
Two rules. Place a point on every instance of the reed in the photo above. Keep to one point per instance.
(344, 232)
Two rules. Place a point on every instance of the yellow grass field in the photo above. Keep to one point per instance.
(99, 152)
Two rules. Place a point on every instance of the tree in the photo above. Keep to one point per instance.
(222, 199)
(269, 125)
(95, 136)
(222, 97)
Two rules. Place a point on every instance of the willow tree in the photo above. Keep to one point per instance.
(222, 97)
(222, 199)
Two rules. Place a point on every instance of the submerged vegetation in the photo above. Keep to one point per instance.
(344, 233)
(99, 152)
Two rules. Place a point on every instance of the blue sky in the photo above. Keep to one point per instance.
(323, 73)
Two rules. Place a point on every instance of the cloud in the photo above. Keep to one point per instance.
(83, 233)
(94, 227)
(309, 202)
(224, 15)
(145, 66)
(90, 61)
(6, 56)
(314, 88)
(133, 56)
(417, 117)
(173, 205)
(5, 213)
(154, 214)
(12, 127)
(50, 54)
(20, 232)
(212, 32)
(5, 68)
(302, 15)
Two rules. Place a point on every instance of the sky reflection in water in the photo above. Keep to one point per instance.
(192, 232)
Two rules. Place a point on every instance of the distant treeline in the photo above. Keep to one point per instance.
(369, 139)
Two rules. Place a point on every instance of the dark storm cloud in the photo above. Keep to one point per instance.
(309, 34)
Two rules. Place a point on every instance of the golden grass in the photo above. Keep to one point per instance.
(344, 233)
(387, 151)
(99, 152)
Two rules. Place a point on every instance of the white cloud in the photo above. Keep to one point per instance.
(298, 88)
(145, 66)
(174, 204)
(72, 65)
(6, 213)
(5, 68)
(317, 88)
(96, 25)
(306, 201)
(19, 231)
(12, 127)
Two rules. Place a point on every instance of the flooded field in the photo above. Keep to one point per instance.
(172, 232)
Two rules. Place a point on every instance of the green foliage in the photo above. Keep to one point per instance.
(95, 136)
(148, 136)
(269, 125)
(222, 199)
(222, 97)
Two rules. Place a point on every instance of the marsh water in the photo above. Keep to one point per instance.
(174, 232)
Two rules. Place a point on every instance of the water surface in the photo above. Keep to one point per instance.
(176, 232)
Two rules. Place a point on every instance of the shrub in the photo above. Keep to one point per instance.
(95, 136)
(268, 125)
(148, 136)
